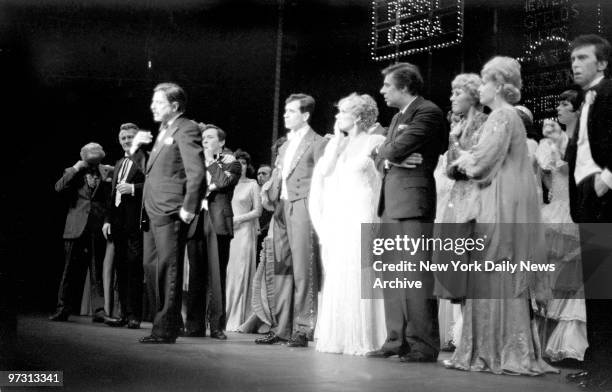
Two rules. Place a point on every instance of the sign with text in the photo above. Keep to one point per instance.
(405, 27)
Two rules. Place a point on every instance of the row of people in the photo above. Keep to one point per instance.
(364, 174)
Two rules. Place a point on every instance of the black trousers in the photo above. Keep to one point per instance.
(589, 208)
(163, 254)
(128, 264)
(81, 254)
(411, 315)
(208, 257)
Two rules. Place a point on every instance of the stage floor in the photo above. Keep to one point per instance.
(95, 357)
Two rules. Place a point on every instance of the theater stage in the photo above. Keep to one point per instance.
(95, 357)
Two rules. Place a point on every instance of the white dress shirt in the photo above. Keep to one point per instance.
(585, 165)
(295, 138)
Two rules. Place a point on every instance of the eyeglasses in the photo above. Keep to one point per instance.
(262, 173)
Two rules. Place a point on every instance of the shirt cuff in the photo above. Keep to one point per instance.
(132, 189)
(606, 177)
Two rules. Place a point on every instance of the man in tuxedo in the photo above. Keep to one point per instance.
(589, 157)
(208, 247)
(174, 185)
(122, 226)
(295, 163)
(86, 186)
(408, 200)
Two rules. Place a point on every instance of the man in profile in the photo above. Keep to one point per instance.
(408, 200)
(589, 157)
(173, 190)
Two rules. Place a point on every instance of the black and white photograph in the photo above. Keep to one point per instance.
(306, 195)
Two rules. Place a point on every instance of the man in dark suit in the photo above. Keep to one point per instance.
(589, 157)
(122, 225)
(86, 186)
(408, 200)
(208, 247)
(173, 190)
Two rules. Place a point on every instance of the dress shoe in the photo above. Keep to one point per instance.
(270, 338)
(416, 356)
(99, 317)
(218, 335)
(298, 340)
(115, 322)
(577, 377)
(379, 354)
(133, 324)
(59, 316)
(152, 339)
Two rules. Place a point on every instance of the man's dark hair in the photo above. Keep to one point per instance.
(220, 132)
(602, 46)
(173, 93)
(128, 127)
(405, 75)
(307, 103)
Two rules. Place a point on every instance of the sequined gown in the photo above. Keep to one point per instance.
(499, 335)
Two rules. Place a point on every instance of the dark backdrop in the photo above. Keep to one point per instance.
(73, 71)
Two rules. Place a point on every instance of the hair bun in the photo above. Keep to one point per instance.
(511, 93)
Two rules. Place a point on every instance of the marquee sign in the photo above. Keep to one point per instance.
(405, 27)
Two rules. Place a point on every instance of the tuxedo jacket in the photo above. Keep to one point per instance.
(411, 193)
(309, 151)
(599, 130)
(224, 177)
(126, 216)
(175, 173)
(85, 206)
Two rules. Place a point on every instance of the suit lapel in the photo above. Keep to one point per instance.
(402, 117)
(116, 174)
(306, 141)
(159, 146)
(103, 175)
(393, 125)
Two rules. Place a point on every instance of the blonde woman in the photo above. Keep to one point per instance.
(498, 333)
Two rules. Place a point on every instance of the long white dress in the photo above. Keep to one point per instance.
(569, 337)
(342, 197)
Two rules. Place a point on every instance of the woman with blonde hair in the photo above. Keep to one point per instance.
(344, 194)
(499, 333)
(458, 199)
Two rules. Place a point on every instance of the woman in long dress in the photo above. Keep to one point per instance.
(499, 334)
(246, 205)
(344, 193)
(458, 203)
(568, 339)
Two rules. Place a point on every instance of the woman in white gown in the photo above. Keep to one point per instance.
(568, 339)
(344, 193)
